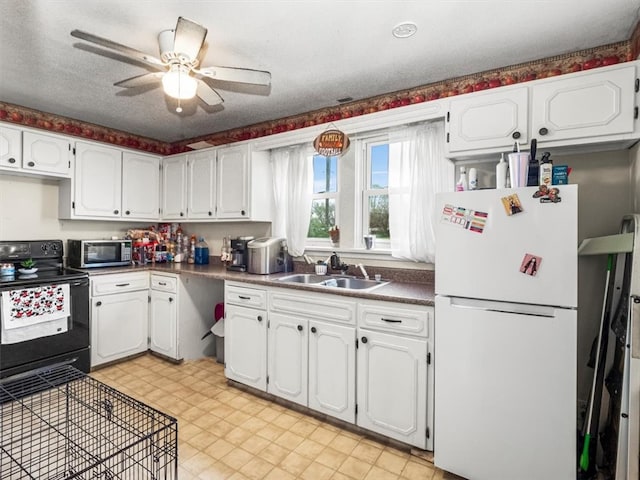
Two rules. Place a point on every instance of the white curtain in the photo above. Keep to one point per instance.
(293, 190)
(418, 170)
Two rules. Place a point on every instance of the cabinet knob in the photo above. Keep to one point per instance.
(127, 212)
(516, 135)
(242, 212)
(299, 328)
(543, 131)
(210, 213)
(116, 212)
(181, 214)
(313, 330)
(364, 339)
(259, 318)
(31, 164)
(98, 303)
(170, 299)
(12, 160)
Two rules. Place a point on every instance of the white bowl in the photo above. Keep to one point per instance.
(27, 271)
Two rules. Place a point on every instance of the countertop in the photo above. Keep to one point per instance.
(395, 291)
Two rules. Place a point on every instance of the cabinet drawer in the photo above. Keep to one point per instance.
(396, 318)
(247, 297)
(164, 283)
(318, 306)
(117, 283)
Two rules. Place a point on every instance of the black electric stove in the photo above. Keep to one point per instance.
(70, 347)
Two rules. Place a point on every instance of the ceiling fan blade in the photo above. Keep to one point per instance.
(128, 51)
(231, 74)
(189, 38)
(140, 80)
(207, 94)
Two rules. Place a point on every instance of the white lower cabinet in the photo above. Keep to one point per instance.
(119, 316)
(245, 335)
(163, 323)
(287, 362)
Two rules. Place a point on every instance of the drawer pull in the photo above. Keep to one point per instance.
(390, 320)
(12, 160)
(313, 330)
(122, 284)
(242, 297)
(164, 284)
(98, 303)
(259, 318)
(364, 340)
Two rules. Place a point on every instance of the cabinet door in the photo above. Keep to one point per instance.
(287, 365)
(10, 147)
(46, 154)
(140, 186)
(332, 370)
(201, 187)
(119, 325)
(233, 182)
(392, 386)
(488, 120)
(98, 180)
(163, 324)
(174, 185)
(245, 346)
(591, 104)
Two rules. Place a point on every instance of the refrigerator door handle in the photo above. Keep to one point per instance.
(504, 307)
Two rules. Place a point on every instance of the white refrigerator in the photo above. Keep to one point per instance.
(505, 333)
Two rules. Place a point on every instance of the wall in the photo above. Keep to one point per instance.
(634, 155)
(29, 211)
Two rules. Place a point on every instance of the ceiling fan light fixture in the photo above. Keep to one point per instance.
(177, 83)
(165, 42)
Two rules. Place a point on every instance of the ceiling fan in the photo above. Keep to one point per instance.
(178, 64)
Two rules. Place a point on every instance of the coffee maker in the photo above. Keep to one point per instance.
(239, 254)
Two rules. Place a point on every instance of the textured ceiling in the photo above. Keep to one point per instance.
(316, 51)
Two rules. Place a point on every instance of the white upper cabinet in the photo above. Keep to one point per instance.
(233, 185)
(10, 147)
(174, 187)
(140, 186)
(488, 120)
(201, 189)
(98, 181)
(597, 104)
(46, 154)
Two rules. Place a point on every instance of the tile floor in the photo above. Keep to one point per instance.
(227, 433)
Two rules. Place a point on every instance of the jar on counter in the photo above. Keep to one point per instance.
(7, 269)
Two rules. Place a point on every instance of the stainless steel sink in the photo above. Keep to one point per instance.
(349, 283)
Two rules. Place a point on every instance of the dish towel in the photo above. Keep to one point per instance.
(31, 313)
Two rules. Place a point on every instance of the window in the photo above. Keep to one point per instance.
(324, 206)
(375, 215)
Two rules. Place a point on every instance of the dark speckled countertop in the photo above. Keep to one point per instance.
(402, 290)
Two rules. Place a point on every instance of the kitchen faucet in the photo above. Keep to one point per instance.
(364, 272)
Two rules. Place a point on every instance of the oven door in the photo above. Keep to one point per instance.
(71, 346)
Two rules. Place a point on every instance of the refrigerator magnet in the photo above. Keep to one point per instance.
(530, 264)
(512, 204)
(472, 220)
(548, 194)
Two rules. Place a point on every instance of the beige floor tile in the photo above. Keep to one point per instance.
(303, 427)
(377, 473)
(295, 464)
(220, 428)
(309, 448)
(278, 474)
(270, 432)
(367, 452)
(268, 414)
(273, 453)
(317, 471)
(391, 462)
(256, 468)
(238, 476)
(340, 476)
(255, 444)
(186, 451)
(219, 448)
(331, 458)
(184, 474)
(236, 458)
(238, 436)
(323, 435)
(202, 440)
(254, 424)
(199, 463)
(355, 468)
(188, 430)
(417, 471)
(289, 440)
(285, 420)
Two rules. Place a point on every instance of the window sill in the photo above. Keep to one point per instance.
(380, 256)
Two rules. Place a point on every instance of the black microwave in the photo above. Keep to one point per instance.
(98, 253)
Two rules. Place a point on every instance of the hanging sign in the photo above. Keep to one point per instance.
(331, 142)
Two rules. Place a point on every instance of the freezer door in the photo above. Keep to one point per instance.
(485, 261)
(505, 390)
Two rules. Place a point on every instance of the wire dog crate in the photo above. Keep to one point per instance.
(61, 424)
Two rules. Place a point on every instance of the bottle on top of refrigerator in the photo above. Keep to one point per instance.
(546, 169)
(202, 252)
(473, 179)
(462, 184)
(501, 173)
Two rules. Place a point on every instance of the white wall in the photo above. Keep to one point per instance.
(29, 211)
(634, 156)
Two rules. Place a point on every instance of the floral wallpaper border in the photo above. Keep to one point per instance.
(572, 62)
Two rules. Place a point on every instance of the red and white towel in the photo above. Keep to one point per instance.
(30, 313)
